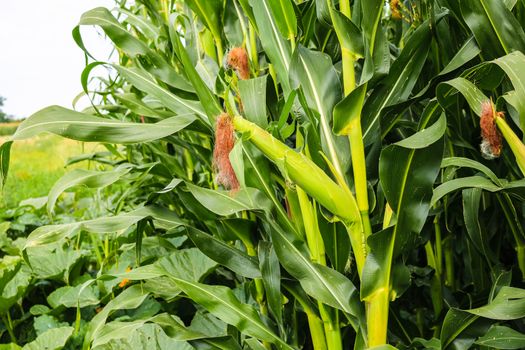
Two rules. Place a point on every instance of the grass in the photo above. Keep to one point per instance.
(36, 164)
(8, 128)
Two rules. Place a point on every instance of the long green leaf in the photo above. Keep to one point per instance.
(502, 337)
(89, 178)
(276, 47)
(142, 81)
(322, 283)
(134, 47)
(496, 29)
(221, 302)
(85, 127)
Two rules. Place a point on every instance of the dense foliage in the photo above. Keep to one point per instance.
(283, 175)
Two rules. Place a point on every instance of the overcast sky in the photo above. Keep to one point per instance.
(40, 64)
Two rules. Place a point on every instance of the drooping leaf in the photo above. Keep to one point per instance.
(89, 178)
(84, 127)
(224, 254)
(225, 203)
(134, 47)
(53, 339)
(271, 276)
(253, 96)
(502, 337)
(321, 282)
(142, 81)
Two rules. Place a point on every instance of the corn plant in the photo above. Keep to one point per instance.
(310, 174)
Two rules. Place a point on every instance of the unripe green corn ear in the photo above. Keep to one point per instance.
(303, 171)
(313, 180)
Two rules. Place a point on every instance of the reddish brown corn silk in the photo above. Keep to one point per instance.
(238, 60)
(491, 141)
(224, 142)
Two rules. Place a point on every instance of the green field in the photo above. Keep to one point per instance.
(36, 164)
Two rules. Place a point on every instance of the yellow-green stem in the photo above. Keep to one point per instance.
(316, 332)
(220, 52)
(314, 322)
(377, 317)
(331, 328)
(317, 252)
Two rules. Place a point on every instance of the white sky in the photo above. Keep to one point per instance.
(40, 63)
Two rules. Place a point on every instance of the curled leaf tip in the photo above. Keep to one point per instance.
(491, 143)
(237, 59)
(224, 142)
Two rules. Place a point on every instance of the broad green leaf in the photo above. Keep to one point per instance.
(509, 304)
(512, 64)
(227, 203)
(52, 261)
(471, 203)
(370, 20)
(43, 323)
(284, 16)
(455, 322)
(142, 81)
(140, 22)
(322, 283)
(189, 264)
(135, 335)
(221, 302)
(210, 13)
(496, 29)
(53, 339)
(348, 110)
(349, 34)
(81, 295)
(502, 337)
(313, 72)
(84, 127)
(253, 97)
(374, 38)
(407, 177)
(398, 85)
(275, 45)
(130, 298)
(10, 346)
(45, 235)
(271, 276)
(14, 280)
(226, 255)
(88, 178)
